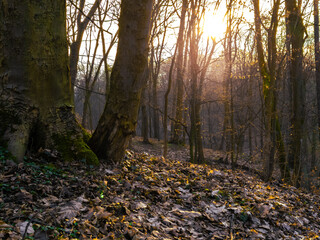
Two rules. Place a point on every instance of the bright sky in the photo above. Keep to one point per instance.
(214, 23)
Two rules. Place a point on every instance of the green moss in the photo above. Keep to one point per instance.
(75, 148)
(85, 133)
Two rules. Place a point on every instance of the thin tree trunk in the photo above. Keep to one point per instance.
(166, 99)
(154, 76)
(177, 129)
(145, 126)
(75, 46)
(317, 56)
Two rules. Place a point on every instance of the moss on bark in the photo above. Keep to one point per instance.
(75, 148)
(35, 81)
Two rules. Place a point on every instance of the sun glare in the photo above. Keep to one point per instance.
(214, 25)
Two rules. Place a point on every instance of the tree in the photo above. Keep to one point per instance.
(268, 72)
(160, 23)
(144, 115)
(317, 55)
(166, 99)
(199, 63)
(296, 32)
(82, 21)
(35, 93)
(177, 130)
(129, 75)
(228, 85)
(92, 72)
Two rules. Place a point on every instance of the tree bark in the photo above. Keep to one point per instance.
(273, 137)
(177, 129)
(36, 100)
(296, 32)
(145, 122)
(119, 119)
(166, 100)
(155, 115)
(228, 95)
(198, 70)
(317, 56)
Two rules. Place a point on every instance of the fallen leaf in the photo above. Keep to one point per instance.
(25, 227)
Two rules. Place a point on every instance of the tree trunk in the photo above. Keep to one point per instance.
(228, 95)
(36, 100)
(273, 137)
(196, 150)
(86, 103)
(317, 56)
(296, 32)
(81, 27)
(119, 119)
(177, 129)
(155, 115)
(145, 125)
(166, 100)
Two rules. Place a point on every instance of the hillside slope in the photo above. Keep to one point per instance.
(148, 197)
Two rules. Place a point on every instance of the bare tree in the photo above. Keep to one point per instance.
(81, 22)
(177, 129)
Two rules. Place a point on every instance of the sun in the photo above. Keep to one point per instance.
(214, 25)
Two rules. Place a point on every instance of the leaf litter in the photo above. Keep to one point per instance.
(148, 197)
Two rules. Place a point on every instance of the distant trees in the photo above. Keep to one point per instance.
(78, 25)
(92, 67)
(244, 93)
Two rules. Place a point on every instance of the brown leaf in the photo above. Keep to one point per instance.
(25, 227)
(264, 209)
(103, 214)
(71, 209)
(24, 195)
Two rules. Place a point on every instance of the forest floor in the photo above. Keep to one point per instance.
(148, 197)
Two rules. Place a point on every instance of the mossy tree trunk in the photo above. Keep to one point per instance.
(118, 121)
(35, 92)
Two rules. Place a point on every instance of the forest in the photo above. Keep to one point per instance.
(159, 119)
